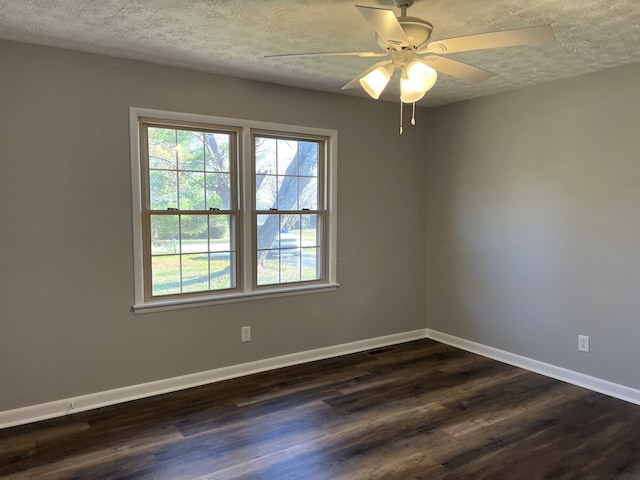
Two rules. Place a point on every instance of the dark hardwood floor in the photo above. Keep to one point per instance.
(419, 410)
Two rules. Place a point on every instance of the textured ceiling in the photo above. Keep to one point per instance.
(231, 37)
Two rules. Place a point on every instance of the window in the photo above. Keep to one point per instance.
(229, 210)
(191, 208)
(289, 212)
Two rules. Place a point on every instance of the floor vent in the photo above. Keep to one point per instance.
(378, 351)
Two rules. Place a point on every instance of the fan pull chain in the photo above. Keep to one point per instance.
(413, 116)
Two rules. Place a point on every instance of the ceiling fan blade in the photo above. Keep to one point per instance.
(507, 38)
(385, 23)
(457, 69)
(356, 81)
(330, 54)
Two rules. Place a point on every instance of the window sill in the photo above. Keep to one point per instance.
(165, 305)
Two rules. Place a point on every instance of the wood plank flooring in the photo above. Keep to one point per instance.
(418, 410)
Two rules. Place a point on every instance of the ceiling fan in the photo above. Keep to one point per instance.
(405, 42)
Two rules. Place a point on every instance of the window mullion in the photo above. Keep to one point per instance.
(247, 199)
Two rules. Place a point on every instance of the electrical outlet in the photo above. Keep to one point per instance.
(583, 343)
(245, 335)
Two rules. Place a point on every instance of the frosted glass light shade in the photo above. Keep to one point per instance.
(422, 72)
(408, 93)
(375, 81)
(417, 79)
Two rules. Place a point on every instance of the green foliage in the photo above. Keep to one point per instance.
(193, 226)
(217, 231)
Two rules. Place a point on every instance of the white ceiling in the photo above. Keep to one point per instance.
(231, 37)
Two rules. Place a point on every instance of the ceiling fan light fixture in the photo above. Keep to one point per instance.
(406, 44)
(422, 73)
(408, 94)
(375, 81)
(417, 79)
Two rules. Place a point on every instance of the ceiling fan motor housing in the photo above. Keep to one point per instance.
(416, 31)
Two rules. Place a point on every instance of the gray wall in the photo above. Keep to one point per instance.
(66, 273)
(531, 199)
(534, 222)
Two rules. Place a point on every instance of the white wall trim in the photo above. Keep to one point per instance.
(91, 401)
(245, 290)
(58, 408)
(615, 390)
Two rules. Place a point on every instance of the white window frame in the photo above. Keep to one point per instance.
(246, 290)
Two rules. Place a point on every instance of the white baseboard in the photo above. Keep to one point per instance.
(615, 390)
(91, 401)
(58, 408)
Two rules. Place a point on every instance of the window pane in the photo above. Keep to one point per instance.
(287, 157)
(309, 231)
(308, 158)
(309, 193)
(284, 266)
(266, 192)
(290, 233)
(205, 247)
(193, 233)
(296, 164)
(163, 189)
(265, 152)
(164, 234)
(268, 231)
(222, 259)
(268, 268)
(192, 191)
(218, 191)
(288, 193)
(165, 274)
(195, 272)
(279, 259)
(311, 264)
(289, 266)
(220, 229)
(217, 153)
(221, 268)
(309, 175)
(162, 148)
(190, 150)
